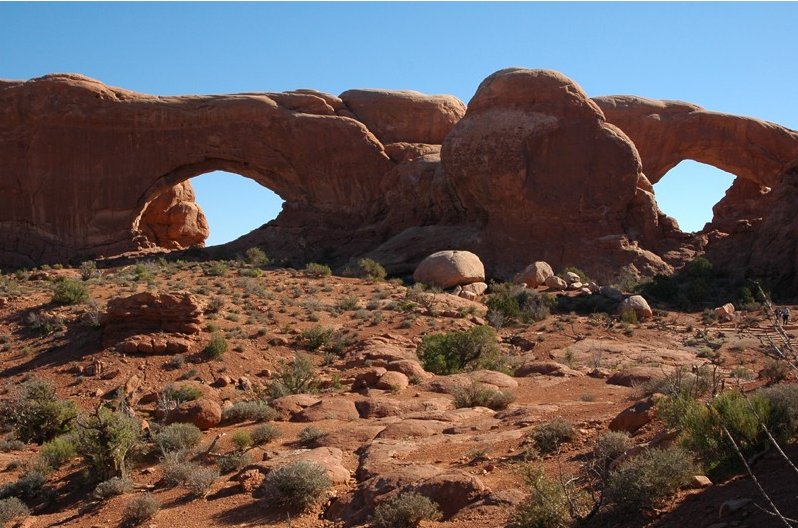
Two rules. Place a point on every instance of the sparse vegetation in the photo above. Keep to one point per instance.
(371, 269)
(510, 303)
(263, 434)
(255, 410)
(479, 395)
(12, 508)
(296, 377)
(310, 435)
(37, 414)
(257, 257)
(177, 437)
(216, 347)
(58, 451)
(457, 351)
(105, 438)
(70, 291)
(548, 437)
(140, 509)
(112, 487)
(298, 485)
(317, 271)
(405, 510)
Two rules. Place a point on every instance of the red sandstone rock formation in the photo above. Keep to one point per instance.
(173, 220)
(148, 312)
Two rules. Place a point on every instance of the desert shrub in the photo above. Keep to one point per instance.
(37, 414)
(12, 508)
(405, 510)
(298, 485)
(176, 472)
(178, 437)
(514, 303)
(11, 445)
(242, 440)
(310, 435)
(263, 434)
(315, 337)
(775, 370)
(104, 439)
(255, 410)
(180, 393)
(549, 436)
(479, 395)
(371, 269)
(216, 268)
(453, 352)
(296, 377)
(44, 323)
(112, 487)
(216, 304)
(545, 507)
(88, 270)
(609, 446)
(583, 278)
(317, 271)
(257, 257)
(58, 451)
(27, 486)
(644, 481)
(783, 403)
(348, 303)
(200, 480)
(70, 291)
(216, 347)
(139, 509)
(232, 461)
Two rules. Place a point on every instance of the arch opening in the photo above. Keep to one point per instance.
(689, 191)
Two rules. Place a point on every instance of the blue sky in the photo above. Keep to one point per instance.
(731, 57)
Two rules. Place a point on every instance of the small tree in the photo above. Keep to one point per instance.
(105, 438)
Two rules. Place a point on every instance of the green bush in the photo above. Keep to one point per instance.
(296, 377)
(255, 410)
(140, 509)
(315, 337)
(405, 510)
(645, 481)
(242, 440)
(609, 446)
(453, 352)
(309, 436)
(88, 270)
(70, 291)
(12, 508)
(112, 487)
(298, 485)
(28, 486)
(200, 480)
(263, 434)
(783, 403)
(549, 436)
(58, 451)
(178, 437)
(371, 269)
(216, 268)
(479, 395)
(180, 393)
(257, 257)
(317, 271)
(216, 347)
(232, 461)
(510, 302)
(105, 439)
(545, 507)
(38, 414)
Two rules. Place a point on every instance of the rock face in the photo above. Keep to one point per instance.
(532, 169)
(446, 269)
(149, 312)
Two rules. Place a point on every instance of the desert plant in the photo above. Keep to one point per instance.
(609, 447)
(105, 438)
(57, 451)
(70, 291)
(254, 410)
(405, 510)
(317, 271)
(178, 437)
(257, 257)
(371, 269)
(298, 485)
(546, 506)
(44, 323)
(37, 414)
(11, 445)
(480, 395)
(242, 440)
(216, 268)
(88, 270)
(310, 435)
(783, 417)
(216, 347)
(112, 487)
(315, 337)
(180, 393)
(263, 434)
(644, 481)
(140, 509)
(200, 480)
(28, 486)
(12, 508)
(296, 377)
(513, 303)
(453, 352)
(549, 436)
(232, 461)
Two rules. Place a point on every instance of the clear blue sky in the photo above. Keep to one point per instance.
(730, 57)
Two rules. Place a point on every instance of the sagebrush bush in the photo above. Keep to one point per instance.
(263, 434)
(112, 487)
(310, 435)
(70, 291)
(44, 323)
(199, 482)
(480, 395)
(27, 486)
(545, 507)
(88, 270)
(241, 439)
(644, 481)
(180, 393)
(317, 271)
(37, 414)
(512, 303)
(140, 509)
(254, 410)
(454, 352)
(298, 485)
(783, 402)
(371, 269)
(405, 510)
(296, 377)
(12, 508)
(178, 437)
(216, 268)
(176, 472)
(216, 347)
(315, 337)
(232, 461)
(105, 439)
(11, 445)
(609, 446)
(549, 436)
(257, 257)
(58, 451)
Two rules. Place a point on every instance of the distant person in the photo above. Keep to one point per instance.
(785, 314)
(779, 315)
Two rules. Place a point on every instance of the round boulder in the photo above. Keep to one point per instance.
(535, 274)
(450, 268)
(556, 283)
(203, 413)
(637, 304)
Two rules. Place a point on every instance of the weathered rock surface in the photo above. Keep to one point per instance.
(534, 275)
(173, 220)
(446, 269)
(636, 304)
(150, 312)
(204, 413)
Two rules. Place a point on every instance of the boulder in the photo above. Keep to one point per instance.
(393, 381)
(638, 305)
(547, 368)
(634, 376)
(287, 406)
(571, 277)
(152, 312)
(173, 220)
(450, 268)
(633, 418)
(725, 313)
(477, 288)
(410, 368)
(535, 274)
(328, 409)
(204, 413)
(556, 283)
